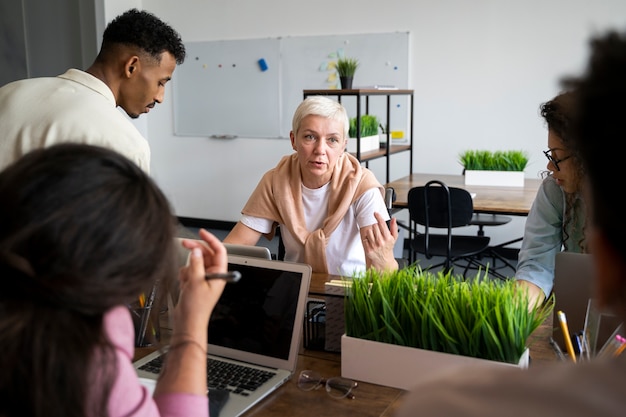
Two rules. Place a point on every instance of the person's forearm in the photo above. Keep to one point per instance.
(389, 263)
(185, 365)
(536, 296)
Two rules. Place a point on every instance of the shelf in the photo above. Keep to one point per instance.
(365, 93)
(359, 92)
(382, 152)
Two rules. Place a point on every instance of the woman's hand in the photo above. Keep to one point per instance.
(185, 369)
(198, 296)
(378, 243)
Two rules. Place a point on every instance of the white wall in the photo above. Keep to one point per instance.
(480, 69)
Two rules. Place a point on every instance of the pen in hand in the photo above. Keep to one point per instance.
(230, 276)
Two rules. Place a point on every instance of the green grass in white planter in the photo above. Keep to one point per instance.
(481, 318)
(368, 126)
(481, 160)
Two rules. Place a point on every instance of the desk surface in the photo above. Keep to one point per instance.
(495, 200)
(370, 399)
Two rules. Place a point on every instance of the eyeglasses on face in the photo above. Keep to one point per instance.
(336, 387)
(556, 162)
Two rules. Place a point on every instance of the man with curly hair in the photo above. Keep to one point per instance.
(137, 58)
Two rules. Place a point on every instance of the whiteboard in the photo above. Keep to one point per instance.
(220, 89)
(251, 87)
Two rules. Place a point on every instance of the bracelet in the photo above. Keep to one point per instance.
(188, 342)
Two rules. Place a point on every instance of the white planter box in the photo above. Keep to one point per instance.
(403, 367)
(368, 143)
(495, 178)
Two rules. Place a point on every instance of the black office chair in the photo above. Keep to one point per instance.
(497, 252)
(437, 206)
(281, 246)
(482, 219)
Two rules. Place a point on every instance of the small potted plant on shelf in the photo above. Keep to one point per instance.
(368, 134)
(404, 325)
(499, 168)
(346, 67)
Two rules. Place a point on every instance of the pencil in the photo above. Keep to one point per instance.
(621, 347)
(566, 335)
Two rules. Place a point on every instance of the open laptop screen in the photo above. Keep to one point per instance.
(257, 314)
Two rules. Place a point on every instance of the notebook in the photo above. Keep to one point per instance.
(573, 290)
(257, 323)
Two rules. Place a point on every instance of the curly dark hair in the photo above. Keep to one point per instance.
(145, 31)
(559, 114)
(599, 122)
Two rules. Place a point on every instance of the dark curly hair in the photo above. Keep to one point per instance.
(601, 111)
(145, 31)
(559, 114)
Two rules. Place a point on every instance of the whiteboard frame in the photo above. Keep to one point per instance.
(223, 91)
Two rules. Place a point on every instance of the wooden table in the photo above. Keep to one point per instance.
(370, 399)
(288, 400)
(494, 200)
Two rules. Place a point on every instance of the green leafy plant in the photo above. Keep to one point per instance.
(481, 318)
(513, 160)
(369, 126)
(346, 67)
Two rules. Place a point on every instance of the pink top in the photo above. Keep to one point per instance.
(128, 396)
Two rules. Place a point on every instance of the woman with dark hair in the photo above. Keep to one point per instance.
(588, 388)
(84, 232)
(557, 217)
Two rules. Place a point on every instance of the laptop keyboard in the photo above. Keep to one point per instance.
(238, 379)
(235, 378)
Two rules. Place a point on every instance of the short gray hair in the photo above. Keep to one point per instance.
(321, 106)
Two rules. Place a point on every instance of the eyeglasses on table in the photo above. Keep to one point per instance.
(336, 387)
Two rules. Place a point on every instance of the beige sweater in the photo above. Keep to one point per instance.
(278, 197)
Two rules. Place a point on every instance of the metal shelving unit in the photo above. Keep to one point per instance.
(364, 95)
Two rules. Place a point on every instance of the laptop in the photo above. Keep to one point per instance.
(573, 289)
(257, 324)
(248, 250)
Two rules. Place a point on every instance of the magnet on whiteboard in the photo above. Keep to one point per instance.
(262, 64)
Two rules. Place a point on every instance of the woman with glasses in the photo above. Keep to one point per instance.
(556, 220)
(589, 388)
(331, 211)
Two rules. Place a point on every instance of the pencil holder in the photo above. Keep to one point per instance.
(314, 323)
(147, 331)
